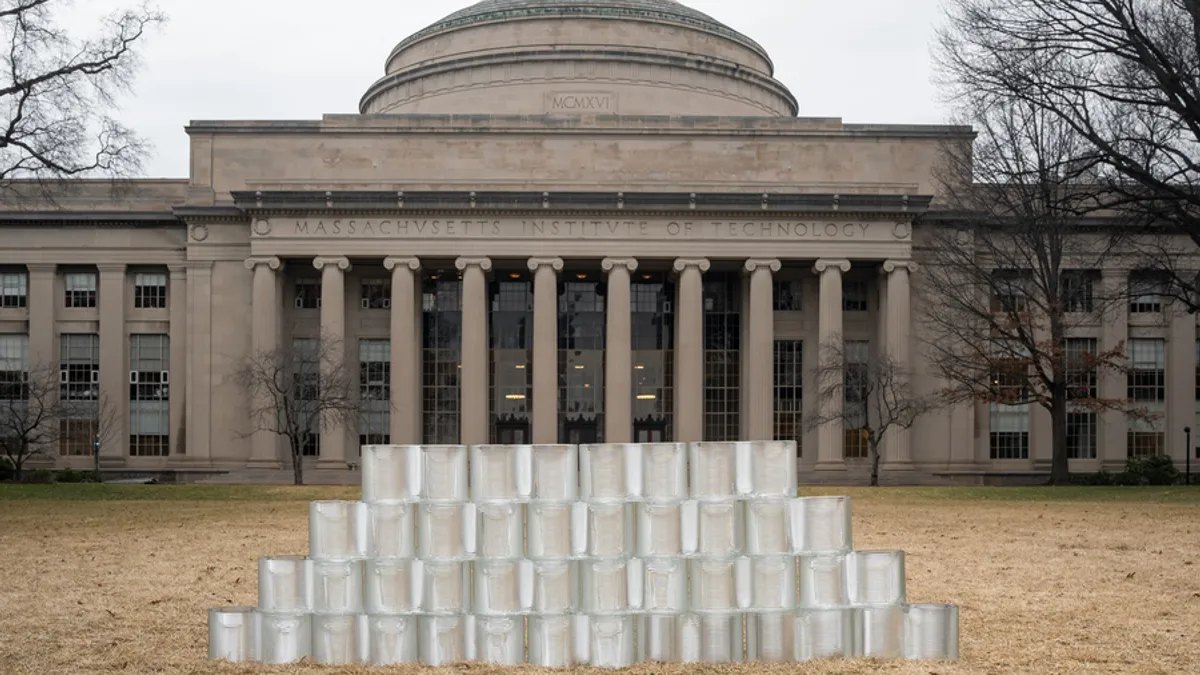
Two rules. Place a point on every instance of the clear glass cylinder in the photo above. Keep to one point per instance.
(497, 587)
(713, 470)
(555, 587)
(604, 586)
(714, 585)
(824, 581)
(390, 473)
(337, 530)
(390, 587)
(820, 525)
(391, 530)
(444, 473)
(659, 529)
(664, 585)
(500, 472)
(767, 531)
(611, 641)
(772, 583)
(500, 640)
(232, 632)
(660, 638)
(772, 469)
(609, 472)
(337, 586)
(284, 584)
(610, 530)
(719, 528)
(339, 639)
(664, 472)
(931, 632)
(713, 638)
(284, 638)
(392, 640)
(876, 577)
(771, 636)
(878, 632)
(446, 587)
(549, 530)
(500, 530)
(552, 641)
(442, 640)
(441, 533)
(824, 634)
(555, 473)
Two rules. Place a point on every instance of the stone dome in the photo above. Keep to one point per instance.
(572, 57)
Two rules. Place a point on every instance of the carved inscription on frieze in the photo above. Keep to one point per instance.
(581, 101)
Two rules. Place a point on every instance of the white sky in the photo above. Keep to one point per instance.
(861, 60)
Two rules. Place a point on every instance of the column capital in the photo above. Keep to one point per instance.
(555, 264)
(609, 264)
(821, 266)
(111, 268)
(890, 266)
(484, 264)
(771, 264)
(341, 262)
(272, 262)
(682, 264)
(413, 264)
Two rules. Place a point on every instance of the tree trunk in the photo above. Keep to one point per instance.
(1060, 468)
(874, 447)
(297, 463)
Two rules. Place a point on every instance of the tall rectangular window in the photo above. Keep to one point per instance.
(1078, 290)
(582, 310)
(308, 294)
(441, 357)
(79, 391)
(306, 380)
(150, 291)
(14, 289)
(1009, 431)
(722, 356)
(854, 295)
(149, 395)
(14, 369)
(1147, 291)
(376, 294)
(787, 295)
(1010, 291)
(1147, 388)
(80, 289)
(652, 298)
(375, 391)
(789, 392)
(1080, 371)
(856, 355)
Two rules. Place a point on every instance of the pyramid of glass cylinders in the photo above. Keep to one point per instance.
(562, 555)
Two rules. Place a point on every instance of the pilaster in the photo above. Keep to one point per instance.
(830, 455)
(1181, 382)
(618, 351)
(114, 365)
(405, 414)
(473, 407)
(1112, 426)
(689, 350)
(759, 351)
(333, 336)
(545, 348)
(177, 388)
(42, 345)
(199, 370)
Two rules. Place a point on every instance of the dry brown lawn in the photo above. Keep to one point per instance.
(1090, 584)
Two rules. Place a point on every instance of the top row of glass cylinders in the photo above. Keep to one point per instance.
(609, 472)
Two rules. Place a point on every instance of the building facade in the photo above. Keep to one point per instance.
(551, 222)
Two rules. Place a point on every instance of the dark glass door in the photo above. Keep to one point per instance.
(512, 433)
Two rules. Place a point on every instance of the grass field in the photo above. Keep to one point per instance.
(100, 579)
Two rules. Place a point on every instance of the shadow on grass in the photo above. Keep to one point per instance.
(200, 493)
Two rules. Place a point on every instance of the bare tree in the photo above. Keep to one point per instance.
(873, 394)
(294, 391)
(57, 93)
(29, 417)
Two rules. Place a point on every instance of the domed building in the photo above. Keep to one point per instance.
(552, 221)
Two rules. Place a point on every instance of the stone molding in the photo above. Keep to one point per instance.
(413, 264)
(484, 264)
(773, 264)
(821, 266)
(554, 263)
(273, 262)
(111, 268)
(41, 268)
(682, 264)
(609, 264)
(342, 262)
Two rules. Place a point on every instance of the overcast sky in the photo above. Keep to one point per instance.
(861, 60)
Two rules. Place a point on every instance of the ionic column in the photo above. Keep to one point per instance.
(899, 347)
(618, 351)
(405, 415)
(689, 350)
(545, 348)
(759, 352)
(177, 309)
(114, 359)
(829, 334)
(263, 333)
(333, 347)
(473, 407)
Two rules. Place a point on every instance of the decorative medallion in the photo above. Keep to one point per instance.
(199, 232)
(262, 227)
(902, 230)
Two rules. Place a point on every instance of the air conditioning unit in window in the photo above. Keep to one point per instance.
(95, 377)
(62, 376)
(299, 302)
(666, 306)
(366, 303)
(387, 303)
(133, 377)
(166, 377)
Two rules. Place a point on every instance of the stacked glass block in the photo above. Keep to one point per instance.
(602, 555)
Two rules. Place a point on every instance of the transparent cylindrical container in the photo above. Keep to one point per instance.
(931, 632)
(878, 632)
(500, 530)
(824, 634)
(442, 640)
(605, 586)
(232, 634)
(500, 640)
(391, 473)
(497, 587)
(820, 525)
(337, 530)
(500, 472)
(391, 530)
(552, 641)
(659, 529)
(555, 587)
(767, 469)
(772, 583)
(445, 587)
(876, 577)
(713, 638)
(767, 531)
(824, 581)
(442, 530)
(771, 636)
(339, 639)
(549, 530)
(713, 584)
(610, 530)
(337, 586)
(719, 528)
(609, 472)
(660, 638)
(664, 472)
(391, 640)
(391, 587)
(555, 473)
(444, 473)
(713, 471)
(284, 638)
(285, 584)
(611, 641)
(664, 585)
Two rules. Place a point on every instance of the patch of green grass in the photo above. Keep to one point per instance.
(1178, 494)
(201, 493)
